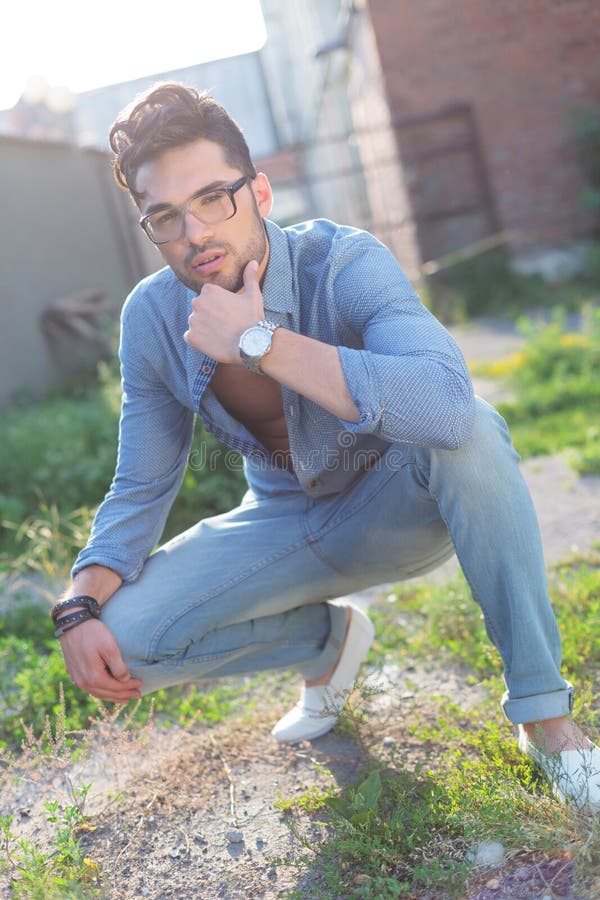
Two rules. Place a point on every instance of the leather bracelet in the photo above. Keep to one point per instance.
(73, 617)
(84, 600)
(72, 621)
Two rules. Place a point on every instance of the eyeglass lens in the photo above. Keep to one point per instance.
(167, 224)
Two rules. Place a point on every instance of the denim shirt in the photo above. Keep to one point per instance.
(337, 284)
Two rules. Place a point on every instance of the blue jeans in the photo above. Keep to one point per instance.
(251, 589)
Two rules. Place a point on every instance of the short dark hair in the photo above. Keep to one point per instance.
(171, 115)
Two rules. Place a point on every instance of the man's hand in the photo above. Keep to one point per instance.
(219, 317)
(95, 664)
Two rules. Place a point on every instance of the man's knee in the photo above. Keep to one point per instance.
(488, 457)
(490, 439)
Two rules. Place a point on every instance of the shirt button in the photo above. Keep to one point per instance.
(291, 410)
(206, 369)
(313, 483)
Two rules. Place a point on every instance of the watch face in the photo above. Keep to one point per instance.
(256, 341)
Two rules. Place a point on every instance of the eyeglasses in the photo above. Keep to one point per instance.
(209, 207)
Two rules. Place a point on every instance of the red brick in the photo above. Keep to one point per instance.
(522, 66)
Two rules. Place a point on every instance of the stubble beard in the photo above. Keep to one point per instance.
(234, 282)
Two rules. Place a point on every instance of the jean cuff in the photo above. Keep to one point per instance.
(316, 668)
(538, 707)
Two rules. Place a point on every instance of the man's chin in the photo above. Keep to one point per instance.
(196, 284)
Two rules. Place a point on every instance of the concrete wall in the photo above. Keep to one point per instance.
(65, 227)
(523, 67)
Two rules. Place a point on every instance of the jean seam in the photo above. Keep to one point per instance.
(224, 654)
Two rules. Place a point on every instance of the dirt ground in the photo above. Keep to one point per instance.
(191, 814)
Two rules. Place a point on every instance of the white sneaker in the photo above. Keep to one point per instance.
(319, 706)
(574, 775)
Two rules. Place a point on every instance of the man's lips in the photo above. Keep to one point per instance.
(207, 262)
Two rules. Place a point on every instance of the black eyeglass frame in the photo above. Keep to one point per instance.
(230, 190)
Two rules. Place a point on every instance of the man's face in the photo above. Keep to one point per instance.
(216, 254)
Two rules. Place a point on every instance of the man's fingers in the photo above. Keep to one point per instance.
(116, 698)
(251, 276)
(115, 665)
(102, 683)
(95, 664)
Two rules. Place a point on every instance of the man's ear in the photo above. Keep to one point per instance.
(263, 194)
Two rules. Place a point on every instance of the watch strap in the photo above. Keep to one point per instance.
(266, 325)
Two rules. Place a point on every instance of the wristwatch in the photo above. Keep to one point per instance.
(255, 343)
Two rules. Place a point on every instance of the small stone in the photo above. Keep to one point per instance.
(488, 853)
(361, 879)
(389, 741)
(144, 892)
(234, 836)
(493, 884)
(260, 843)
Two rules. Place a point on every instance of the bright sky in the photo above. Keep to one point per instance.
(81, 45)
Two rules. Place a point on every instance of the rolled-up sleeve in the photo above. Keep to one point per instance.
(408, 377)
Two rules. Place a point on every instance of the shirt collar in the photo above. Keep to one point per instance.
(277, 288)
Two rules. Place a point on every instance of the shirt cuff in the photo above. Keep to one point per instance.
(124, 568)
(362, 383)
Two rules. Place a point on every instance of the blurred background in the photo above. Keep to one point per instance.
(448, 129)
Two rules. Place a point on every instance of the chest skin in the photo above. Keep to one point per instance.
(256, 402)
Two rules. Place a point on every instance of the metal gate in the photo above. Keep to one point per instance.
(419, 180)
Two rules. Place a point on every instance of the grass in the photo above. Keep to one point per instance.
(61, 871)
(487, 284)
(35, 687)
(555, 380)
(404, 828)
(57, 458)
(407, 830)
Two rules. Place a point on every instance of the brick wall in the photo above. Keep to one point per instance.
(522, 66)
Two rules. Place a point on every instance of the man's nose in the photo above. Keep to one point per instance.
(195, 230)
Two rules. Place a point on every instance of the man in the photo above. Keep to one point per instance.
(368, 458)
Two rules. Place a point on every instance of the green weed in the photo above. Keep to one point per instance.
(312, 799)
(57, 456)
(407, 831)
(447, 625)
(487, 283)
(403, 832)
(556, 383)
(35, 690)
(48, 541)
(440, 623)
(58, 872)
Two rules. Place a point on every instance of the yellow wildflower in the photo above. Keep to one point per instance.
(574, 340)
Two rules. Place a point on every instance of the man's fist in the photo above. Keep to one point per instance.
(219, 317)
